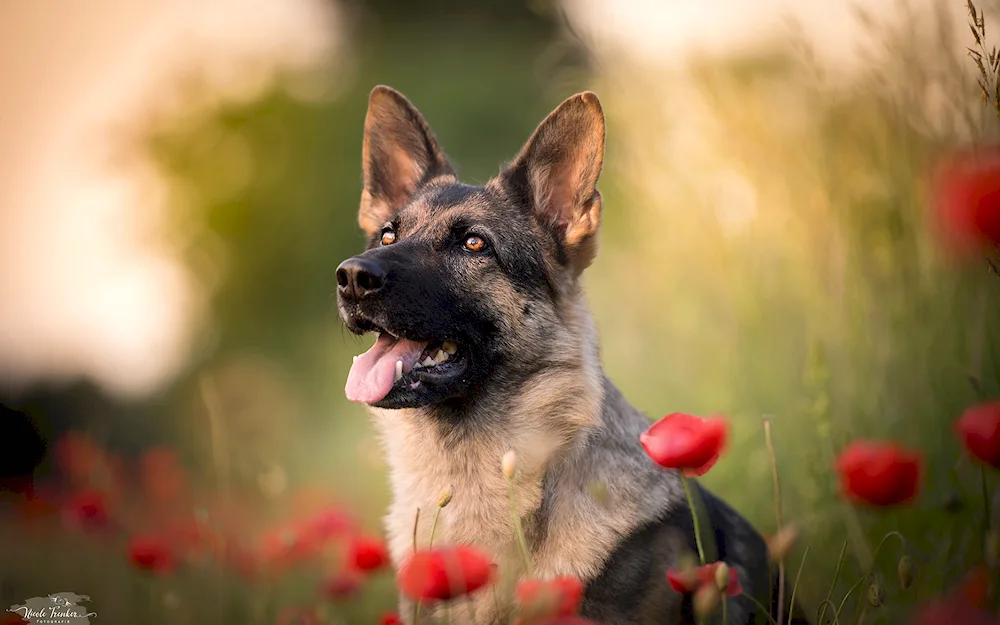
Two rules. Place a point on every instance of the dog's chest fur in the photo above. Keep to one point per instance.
(569, 531)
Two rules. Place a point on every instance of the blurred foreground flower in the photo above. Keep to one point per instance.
(966, 605)
(342, 585)
(368, 554)
(686, 442)
(152, 554)
(88, 508)
(689, 580)
(390, 618)
(781, 543)
(553, 597)
(444, 573)
(880, 474)
(163, 479)
(979, 429)
(966, 196)
(77, 457)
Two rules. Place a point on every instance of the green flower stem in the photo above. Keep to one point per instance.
(694, 518)
(840, 608)
(430, 543)
(823, 606)
(795, 586)
(472, 611)
(888, 535)
(765, 611)
(518, 531)
(725, 609)
(988, 517)
(777, 512)
(821, 610)
(437, 514)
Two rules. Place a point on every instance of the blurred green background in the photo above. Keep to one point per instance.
(765, 252)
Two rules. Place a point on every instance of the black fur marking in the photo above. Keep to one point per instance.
(635, 573)
(451, 195)
(632, 588)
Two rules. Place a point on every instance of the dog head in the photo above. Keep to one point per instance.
(470, 289)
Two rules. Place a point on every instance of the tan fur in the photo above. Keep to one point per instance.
(543, 428)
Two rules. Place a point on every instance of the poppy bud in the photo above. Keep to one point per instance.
(706, 600)
(781, 543)
(445, 497)
(876, 594)
(905, 571)
(509, 464)
(722, 576)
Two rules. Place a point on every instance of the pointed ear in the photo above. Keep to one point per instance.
(399, 154)
(556, 172)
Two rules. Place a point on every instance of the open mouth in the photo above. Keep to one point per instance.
(396, 364)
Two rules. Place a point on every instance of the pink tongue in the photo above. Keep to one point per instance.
(374, 372)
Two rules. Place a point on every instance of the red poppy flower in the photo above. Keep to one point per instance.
(979, 429)
(688, 581)
(329, 523)
(966, 196)
(390, 618)
(88, 508)
(289, 544)
(163, 478)
(553, 597)
(368, 554)
(77, 456)
(12, 618)
(444, 573)
(151, 553)
(342, 584)
(686, 442)
(966, 605)
(880, 474)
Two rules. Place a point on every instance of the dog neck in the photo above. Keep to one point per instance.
(569, 428)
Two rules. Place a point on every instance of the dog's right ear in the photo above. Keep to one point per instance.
(399, 154)
(556, 173)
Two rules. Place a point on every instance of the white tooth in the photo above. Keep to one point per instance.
(449, 348)
(428, 362)
(440, 357)
(399, 370)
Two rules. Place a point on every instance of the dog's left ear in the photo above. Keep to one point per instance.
(399, 154)
(556, 172)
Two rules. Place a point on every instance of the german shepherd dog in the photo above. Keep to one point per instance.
(485, 345)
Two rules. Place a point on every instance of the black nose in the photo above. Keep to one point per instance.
(359, 276)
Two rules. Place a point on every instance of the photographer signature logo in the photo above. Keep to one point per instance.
(59, 608)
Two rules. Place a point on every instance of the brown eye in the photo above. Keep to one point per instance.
(388, 237)
(475, 244)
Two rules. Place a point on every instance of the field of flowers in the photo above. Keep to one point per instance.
(836, 303)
